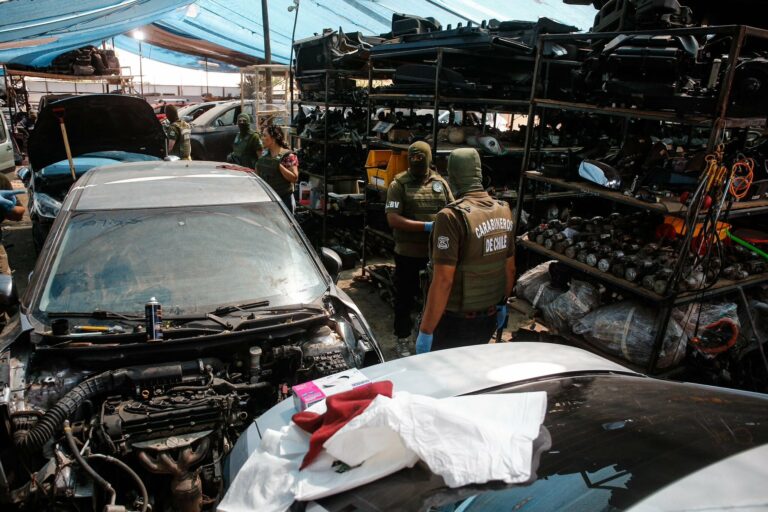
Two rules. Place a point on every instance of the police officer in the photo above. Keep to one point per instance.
(472, 251)
(246, 149)
(179, 132)
(413, 199)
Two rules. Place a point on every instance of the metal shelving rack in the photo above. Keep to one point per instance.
(717, 123)
(327, 104)
(433, 101)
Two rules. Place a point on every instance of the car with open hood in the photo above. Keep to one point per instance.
(605, 439)
(172, 303)
(102, 129)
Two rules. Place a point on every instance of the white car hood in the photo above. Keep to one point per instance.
(447, 373)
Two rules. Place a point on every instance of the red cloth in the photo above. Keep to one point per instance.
(341, 409)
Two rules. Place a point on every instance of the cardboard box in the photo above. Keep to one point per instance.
(312, 392)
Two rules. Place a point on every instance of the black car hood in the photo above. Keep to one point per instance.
(98, 122)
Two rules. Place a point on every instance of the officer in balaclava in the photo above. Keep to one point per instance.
(179, 132)
(413, 199)
(246, 148)
(473, 258)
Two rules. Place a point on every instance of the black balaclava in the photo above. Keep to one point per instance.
(419, 158)
(244, 123)
(465, 173)
(171, 113)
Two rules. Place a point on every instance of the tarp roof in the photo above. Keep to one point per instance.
(34, 32)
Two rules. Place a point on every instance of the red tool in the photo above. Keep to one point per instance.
(717, 337)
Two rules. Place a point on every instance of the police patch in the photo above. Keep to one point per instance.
(442, 242)
(437, 186)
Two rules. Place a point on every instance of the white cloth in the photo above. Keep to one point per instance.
(466, 440)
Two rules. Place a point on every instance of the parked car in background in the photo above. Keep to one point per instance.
(191, 112)
(241, 308)
(102, 129)
(611, 439)
(214, 131)
(8, 160)
(159, 106)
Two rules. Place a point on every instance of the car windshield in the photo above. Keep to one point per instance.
(191, 260)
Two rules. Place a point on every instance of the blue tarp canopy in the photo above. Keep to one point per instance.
(34, 32)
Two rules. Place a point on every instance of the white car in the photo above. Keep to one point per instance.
(619, 440)
(7, 159)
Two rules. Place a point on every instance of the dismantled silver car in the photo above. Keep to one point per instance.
(173, 302)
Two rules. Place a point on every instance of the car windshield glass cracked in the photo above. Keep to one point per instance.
(230, 254)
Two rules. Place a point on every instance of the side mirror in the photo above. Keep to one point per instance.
(7, 291)
(188, 119)
(332, 262)
(25, 175)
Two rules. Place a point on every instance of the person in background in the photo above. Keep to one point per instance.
(246, 149)
(178, 132)
(413, 199)
(11, 209)
(473, 253)
(278, 166)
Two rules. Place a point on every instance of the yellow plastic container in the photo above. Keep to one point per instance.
(382, 174)
(378, 158)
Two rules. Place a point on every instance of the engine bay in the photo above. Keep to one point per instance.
(89, 426)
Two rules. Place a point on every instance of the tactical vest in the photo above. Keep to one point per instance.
(240, 149)
(421, 203)
(182, 147)
(480, 278)
(267, 167)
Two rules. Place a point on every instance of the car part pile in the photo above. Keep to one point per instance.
(85, 61)
(480, 74)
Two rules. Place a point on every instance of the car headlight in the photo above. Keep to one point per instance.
(45, 206)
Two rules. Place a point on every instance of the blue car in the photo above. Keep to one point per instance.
(102, 129)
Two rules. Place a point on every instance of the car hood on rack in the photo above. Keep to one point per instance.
(95, 123)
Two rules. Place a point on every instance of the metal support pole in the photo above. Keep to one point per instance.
(661, 324)
(295, 8)
(267, 49)
(436, 110)
(12, 126)
(141, 73)
(528, 137)
(725, 92)
(207, 91)
(325, 160)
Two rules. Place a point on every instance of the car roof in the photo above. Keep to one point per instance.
(218, 110)
(164, 184)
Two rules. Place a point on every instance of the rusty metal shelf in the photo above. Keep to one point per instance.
(722, 287)
(665, 206)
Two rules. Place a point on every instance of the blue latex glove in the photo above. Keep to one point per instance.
(423, 342)
(8, 200)
(428, 226)
(501, 316)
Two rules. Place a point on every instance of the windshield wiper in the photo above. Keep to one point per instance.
(97, 314)
(225, 310)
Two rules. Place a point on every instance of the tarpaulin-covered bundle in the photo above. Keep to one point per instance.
(227, 33)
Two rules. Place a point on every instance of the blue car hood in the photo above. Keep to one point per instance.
(84, 163)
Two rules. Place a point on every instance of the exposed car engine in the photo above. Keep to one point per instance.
(149, 436)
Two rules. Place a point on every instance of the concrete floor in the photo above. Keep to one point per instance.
(18, 243)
